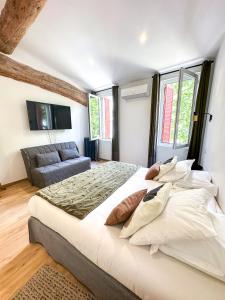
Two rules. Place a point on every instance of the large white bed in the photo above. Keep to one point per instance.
(157, 277)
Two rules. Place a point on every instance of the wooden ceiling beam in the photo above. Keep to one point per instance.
(15, 70)
(16, 17)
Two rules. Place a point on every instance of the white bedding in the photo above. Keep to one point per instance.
(157, 277)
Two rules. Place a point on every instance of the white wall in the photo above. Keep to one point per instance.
(14, 128)
(134, 123)
(213, 150)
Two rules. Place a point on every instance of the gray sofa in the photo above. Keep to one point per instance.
(49, 174)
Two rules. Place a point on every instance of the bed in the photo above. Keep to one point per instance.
(110, 266)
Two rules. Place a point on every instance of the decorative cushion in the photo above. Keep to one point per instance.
(46, 159)
(123, 211)
(181, 169)
(153, 171)
(184, 218)
(146, 212)
(68, 154)
(165, 168)
(168, 160)
(151, 195)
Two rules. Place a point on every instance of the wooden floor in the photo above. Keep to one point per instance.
(19, 260)
(13, 220)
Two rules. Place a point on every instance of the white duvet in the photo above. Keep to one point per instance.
(157, 277)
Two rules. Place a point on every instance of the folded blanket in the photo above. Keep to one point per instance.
(82, 193)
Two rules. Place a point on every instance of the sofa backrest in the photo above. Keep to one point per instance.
(29, 154)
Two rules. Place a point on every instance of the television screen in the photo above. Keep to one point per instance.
(45, 116)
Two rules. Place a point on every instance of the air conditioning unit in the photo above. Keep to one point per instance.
(138, 91)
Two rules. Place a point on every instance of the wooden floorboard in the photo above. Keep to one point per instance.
(19, 260)
(13, 220)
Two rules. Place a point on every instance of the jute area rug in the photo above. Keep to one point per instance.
(49, 284)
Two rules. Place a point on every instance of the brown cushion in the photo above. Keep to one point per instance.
(124, 210)
(152, 171)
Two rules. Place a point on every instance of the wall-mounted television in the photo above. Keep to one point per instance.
(46, 116)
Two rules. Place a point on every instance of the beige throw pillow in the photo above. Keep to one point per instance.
(146, 212)
(165, 168)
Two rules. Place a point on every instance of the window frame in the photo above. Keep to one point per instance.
(172, 77)
(102, 118)
(89, 117)
(169, 78)
(101, 95)
(181, 77)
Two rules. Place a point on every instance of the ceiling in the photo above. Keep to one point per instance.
(97, 43)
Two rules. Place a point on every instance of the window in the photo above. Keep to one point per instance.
(100, 116)
(169, 94)
(94, 116)
(106, 117)
(177, 101)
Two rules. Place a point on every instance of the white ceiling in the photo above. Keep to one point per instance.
(96, 43)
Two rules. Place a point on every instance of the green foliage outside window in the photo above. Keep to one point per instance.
(94, 119)
(184, 119)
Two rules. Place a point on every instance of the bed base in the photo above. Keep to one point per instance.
(102, 285)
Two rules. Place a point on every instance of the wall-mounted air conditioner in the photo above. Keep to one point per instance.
(138, 91)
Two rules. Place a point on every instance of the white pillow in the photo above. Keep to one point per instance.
(185, 217)
(212, 204)
(201, 175)
(212, 207)
(146, 212)
(206, 255)
(165, 168)
(196, 180)
(181, 169)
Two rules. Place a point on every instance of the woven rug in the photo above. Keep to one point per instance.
(49, 284)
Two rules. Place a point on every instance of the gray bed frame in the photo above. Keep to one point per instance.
(101, 284)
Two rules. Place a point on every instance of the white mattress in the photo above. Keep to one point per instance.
(157, 277)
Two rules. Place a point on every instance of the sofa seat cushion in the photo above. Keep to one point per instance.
(62, 165)
(47, 175)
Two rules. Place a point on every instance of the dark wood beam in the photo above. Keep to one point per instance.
(15, 70)
(16, 17)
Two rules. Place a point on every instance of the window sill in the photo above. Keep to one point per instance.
(106, 140)
(164, 145)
